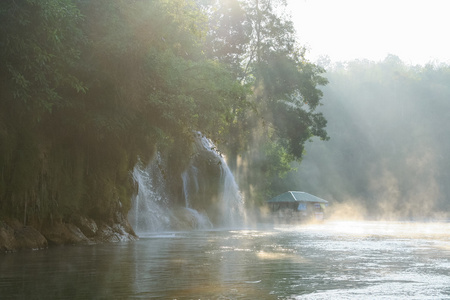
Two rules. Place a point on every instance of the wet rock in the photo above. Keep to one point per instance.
(14, 236)
(106, 234)
(115, 233)
(7, 240)
(188, 219)
(30, 238)
(77, 230)
(122, 222)
(64, 234)
(87, 226)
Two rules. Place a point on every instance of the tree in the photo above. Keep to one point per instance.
(281, 109)
(90, 86)
(41, 45)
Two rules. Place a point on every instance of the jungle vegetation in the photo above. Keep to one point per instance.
(88, 87)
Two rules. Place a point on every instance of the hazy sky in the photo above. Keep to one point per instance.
(416, 30)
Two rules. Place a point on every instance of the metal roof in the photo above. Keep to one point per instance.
(294, 196)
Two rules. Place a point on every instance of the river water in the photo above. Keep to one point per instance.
(333, 260)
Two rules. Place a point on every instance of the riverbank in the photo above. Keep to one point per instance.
(332, 260)
(15, 236)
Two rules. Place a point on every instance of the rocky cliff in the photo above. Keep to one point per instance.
(15, 236)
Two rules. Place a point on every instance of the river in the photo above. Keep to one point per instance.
(333, 260)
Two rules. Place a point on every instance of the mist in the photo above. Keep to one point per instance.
(387, 156)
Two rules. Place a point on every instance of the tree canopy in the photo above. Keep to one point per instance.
(90, 86)
(281, 116)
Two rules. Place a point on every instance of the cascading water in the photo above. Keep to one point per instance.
(191, 187)
(231, 200)
(190, 183)
(152, 211)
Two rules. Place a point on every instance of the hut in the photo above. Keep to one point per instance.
(298, 205)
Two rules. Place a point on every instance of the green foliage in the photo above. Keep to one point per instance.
(229, 34)
(285, 94)
(387, 121)
(90, 86)
(40, 44)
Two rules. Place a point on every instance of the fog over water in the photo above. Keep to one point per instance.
(341, 260)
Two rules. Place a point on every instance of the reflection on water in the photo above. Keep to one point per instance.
(332, 260)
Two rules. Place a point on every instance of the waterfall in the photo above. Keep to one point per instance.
(191, 187)
(190, 183)
(153, 211)
(231, 201)
(150, 212)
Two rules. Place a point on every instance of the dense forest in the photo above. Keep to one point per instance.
(90, 87)
(388, 151)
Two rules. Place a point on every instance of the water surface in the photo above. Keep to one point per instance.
(334, 260)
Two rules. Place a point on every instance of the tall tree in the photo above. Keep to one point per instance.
(87, 87)
(41, 45)
(280, 115)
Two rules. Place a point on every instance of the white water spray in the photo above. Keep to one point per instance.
(190, 183)
(152, 210)
(231, 200)
(191, 187)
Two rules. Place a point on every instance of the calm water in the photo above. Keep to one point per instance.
(360, 260)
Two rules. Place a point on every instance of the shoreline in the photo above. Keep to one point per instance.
(15, 236)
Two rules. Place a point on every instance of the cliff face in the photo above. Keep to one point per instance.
(191, 196)
(15, 236)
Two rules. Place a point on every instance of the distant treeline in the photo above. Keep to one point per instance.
(389, 145)
(87, 87)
